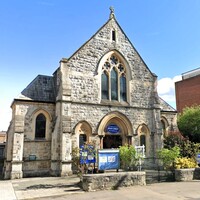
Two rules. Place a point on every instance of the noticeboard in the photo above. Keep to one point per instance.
(87, 154)
(108, 159)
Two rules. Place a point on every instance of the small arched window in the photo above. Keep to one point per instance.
(113, 80)
(82, 140)
(113, 35)
(164, 125)
(143, 140)
(40, 126)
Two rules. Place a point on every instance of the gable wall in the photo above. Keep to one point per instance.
(80, 76)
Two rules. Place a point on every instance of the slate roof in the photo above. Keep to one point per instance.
(165, 106)
(40, 89)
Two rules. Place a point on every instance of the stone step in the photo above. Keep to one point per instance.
(159, 176)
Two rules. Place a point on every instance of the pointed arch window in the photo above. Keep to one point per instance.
(123, 88)
(113, 80)
(40, 126)
(142, 140)
(104, 86)
(82, 140)
(114, 85)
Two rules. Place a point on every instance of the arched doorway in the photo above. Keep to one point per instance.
(83, 131)
(114, 130)
(112, 138)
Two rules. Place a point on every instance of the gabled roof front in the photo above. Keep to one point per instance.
(110, 20)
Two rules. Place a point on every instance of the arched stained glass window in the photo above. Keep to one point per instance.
(40, 126)
(113, 80)
(114, 85)
(123, 88)
(104, 86)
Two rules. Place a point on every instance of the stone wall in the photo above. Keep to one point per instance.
(42, 152)
(113, 181)
(94, 114)
(22, 142)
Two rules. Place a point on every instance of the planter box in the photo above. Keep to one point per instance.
(113, 181)
(184, 174)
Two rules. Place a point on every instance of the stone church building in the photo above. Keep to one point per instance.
(104, 94)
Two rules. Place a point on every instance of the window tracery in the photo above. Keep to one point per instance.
(113, 80)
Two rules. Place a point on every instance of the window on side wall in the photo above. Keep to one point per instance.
(143, 141)
(40, 126)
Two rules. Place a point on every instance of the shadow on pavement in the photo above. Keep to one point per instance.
(49, 186)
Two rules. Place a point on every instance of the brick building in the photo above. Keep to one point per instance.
(188, 90)
(104, 84)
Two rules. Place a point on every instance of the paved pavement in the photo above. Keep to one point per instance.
(36, 188)
(58, 188)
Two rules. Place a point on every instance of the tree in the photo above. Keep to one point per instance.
(189, 123)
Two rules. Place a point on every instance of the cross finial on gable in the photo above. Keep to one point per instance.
(112, 14)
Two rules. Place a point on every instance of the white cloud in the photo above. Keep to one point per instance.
(166, 89)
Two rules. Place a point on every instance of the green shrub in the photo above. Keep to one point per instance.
(168, 157)
(127, 156)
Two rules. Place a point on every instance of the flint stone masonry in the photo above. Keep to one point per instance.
(113, 181)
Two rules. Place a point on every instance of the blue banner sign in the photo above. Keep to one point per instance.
(87, 154)
(113, 128)
(108, 159)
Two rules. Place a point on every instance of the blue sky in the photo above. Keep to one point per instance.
(36, 34)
